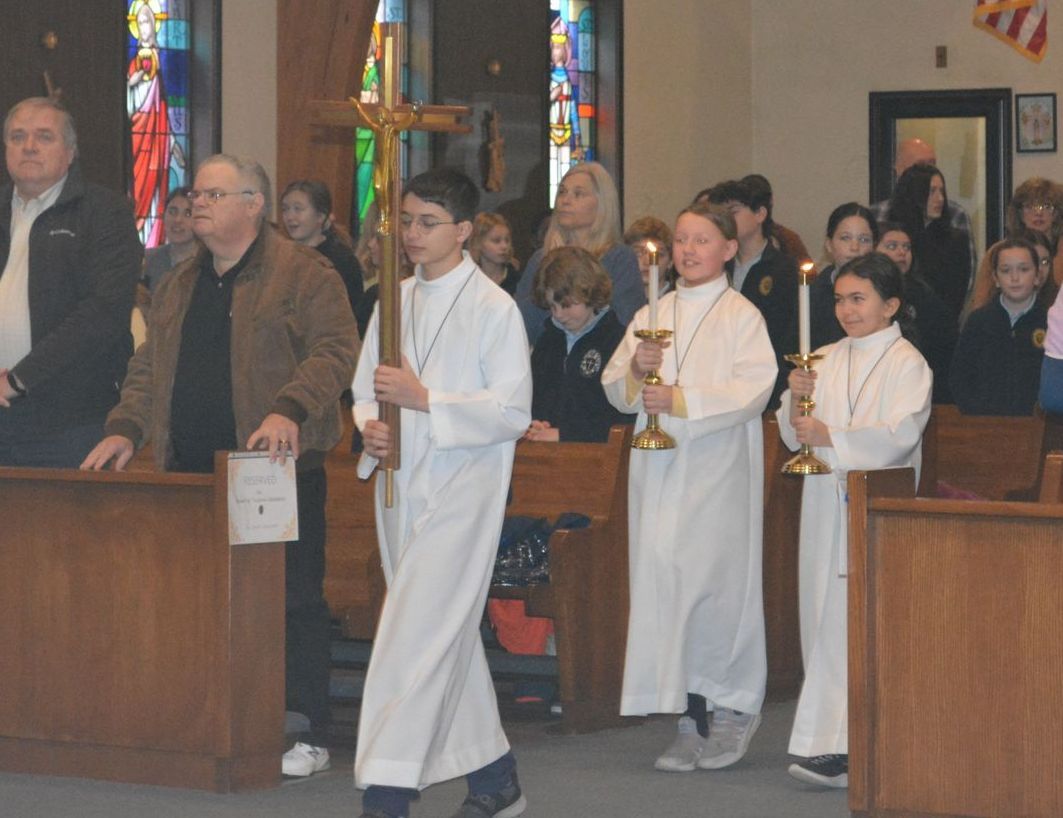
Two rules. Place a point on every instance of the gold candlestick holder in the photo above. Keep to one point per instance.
(804, 462)
(653, 437)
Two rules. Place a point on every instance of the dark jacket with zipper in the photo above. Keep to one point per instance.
(84, 261)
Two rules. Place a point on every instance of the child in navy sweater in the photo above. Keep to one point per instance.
(578, 339)
(997, 366)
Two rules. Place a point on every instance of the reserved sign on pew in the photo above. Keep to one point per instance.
(262, 499)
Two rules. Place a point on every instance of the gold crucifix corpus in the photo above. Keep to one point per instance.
(387, 120)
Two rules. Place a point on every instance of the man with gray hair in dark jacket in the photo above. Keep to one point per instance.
(69, 260)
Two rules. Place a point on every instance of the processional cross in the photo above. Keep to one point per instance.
(387, 119)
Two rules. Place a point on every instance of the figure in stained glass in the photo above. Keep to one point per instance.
(571, 112)
(149, 125)
(157, 105)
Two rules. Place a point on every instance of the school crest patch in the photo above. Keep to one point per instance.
(766, 284)
(1039, 338)
(591, 363)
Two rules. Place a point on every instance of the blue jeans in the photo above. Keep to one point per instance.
(493, 778)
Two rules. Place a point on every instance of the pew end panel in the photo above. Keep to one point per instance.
(956, 667)
(588, 592)
(144, 648)
(354, 578)
(1052, 479)
(782, 533)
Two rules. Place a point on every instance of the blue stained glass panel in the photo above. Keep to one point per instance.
(572, 98)
(157, 87)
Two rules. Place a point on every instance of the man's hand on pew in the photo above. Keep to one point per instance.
(278, 435)
(113, 447)
(542, 431)
(376, 438)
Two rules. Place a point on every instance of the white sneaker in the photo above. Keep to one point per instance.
(729, 737)
(683, 755)
(304, 759)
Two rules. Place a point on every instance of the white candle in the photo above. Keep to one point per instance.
(804, 308)
(655, 283)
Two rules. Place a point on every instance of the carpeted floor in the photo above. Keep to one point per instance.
(602, 775)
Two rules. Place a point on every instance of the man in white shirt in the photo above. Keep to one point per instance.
(69, 260)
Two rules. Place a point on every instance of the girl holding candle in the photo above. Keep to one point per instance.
(696, 628)
(872, 394)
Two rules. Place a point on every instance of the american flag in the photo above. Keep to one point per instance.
(1022, 24)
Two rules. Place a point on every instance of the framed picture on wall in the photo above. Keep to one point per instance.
(1035, 123)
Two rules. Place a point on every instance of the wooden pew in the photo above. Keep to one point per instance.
(137, 645)
(1052, 479)
(782, 515)
(997, 458)
(587, 596)
(588, 591)
(955, 660)
(354, 580)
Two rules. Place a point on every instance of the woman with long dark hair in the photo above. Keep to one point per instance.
(920, 203)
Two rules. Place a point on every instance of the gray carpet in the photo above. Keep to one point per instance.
(603, 775)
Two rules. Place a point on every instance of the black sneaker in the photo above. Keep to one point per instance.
(826, 771)
(509, 802)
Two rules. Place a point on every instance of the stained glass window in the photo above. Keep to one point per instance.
(572, 110)
(389, 11)
(157, 82)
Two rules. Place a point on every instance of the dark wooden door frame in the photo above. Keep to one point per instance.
(993, 104)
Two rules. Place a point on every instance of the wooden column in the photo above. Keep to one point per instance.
(321, 48)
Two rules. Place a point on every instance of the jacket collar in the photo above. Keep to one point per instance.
(73, 189)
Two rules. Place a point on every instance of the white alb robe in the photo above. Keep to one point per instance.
(429, 711)
(696, 511)
(876, 415)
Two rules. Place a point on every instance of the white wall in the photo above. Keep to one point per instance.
(715, 89)
(814, 64)
(249, 81)
(687, 106)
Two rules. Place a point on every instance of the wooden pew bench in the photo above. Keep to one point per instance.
(587, 596)
(997, 458)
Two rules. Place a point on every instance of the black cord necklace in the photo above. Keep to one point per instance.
(679, 361)
(439, 329)
(849, 377)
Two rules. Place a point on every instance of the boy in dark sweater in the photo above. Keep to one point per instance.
(579, 337)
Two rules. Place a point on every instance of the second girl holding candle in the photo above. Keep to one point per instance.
(696, 629)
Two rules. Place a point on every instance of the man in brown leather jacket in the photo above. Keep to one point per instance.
(250, 344)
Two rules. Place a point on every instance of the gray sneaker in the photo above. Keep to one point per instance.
(729, 737)
(509, 802)
(683, 755)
